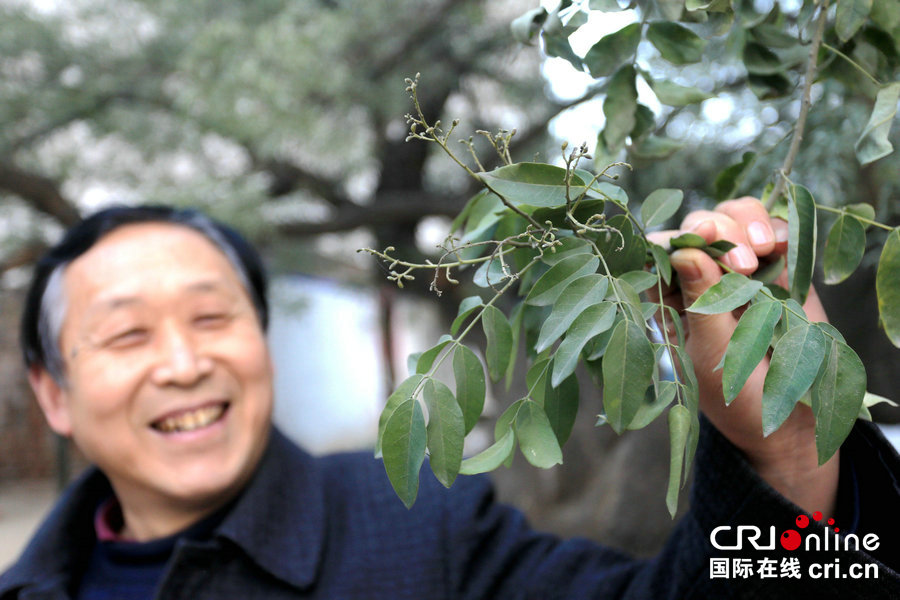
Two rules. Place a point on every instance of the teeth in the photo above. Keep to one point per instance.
(191, 420)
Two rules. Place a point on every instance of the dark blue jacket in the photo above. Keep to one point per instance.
(333, 528)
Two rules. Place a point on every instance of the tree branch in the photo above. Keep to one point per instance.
(99, 103)
(805, 103)
(23, 256)
(387, 209)
(40, 192)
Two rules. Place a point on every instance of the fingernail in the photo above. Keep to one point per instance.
(698, 226)
(760, 233)
(742, 257)
(781, 230)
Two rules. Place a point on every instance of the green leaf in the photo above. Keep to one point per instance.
(499, 341)
(404, 392)
(768, 87)
(492, 457)
(844, 249)
(759, 60)
(620, 107)
(568, 247)
(557, 44)
(608, 191)
(446, 430)
(837, 396)
(870, 399)
(801, 242)
(552, 283)
(730, 179)
(654, 147)
(732, 291)
(532, 184)
(627, 371)
(558, 215)
(592, 321)
(691, 401)
(506, 419)
(748, 346)
(672, 94)
(623, 251)
(426, 359)
(793, 368)
(830, 330)
(466, 308)
(662, 262)
(404, 449)
(492, 273)
(517, 316)
(644, 122)
(688, 240)
(773, 36)
(670, 9)
(466, 212)
(653, 404)
(561, 406)
(660, 205)
(850, 16)
(679, 426)
(537, 441)
(863, 210)
(767, 273)
(613, 50)
(639, 280)
(719, 248)
(873, 143)
(596, 348)
(678, 45)
(887, 286)
(630, 302)
(470, 385)
(886, 13)
(576, 297)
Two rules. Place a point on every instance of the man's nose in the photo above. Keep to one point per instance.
(180, 362)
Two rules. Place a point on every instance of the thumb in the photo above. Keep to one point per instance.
(709, 334)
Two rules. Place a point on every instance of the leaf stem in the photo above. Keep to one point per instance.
(456, 341)
(805, 103)
(856, 65)
(841, 211)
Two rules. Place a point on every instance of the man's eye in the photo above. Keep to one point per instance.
(211, 319)
(131, 336)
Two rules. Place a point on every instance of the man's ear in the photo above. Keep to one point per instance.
(53, 400)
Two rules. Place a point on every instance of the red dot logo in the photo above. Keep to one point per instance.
(831, 521)
(790, 540)
(802, 521)
(817, 516)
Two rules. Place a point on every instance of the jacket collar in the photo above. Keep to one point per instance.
(278, 521)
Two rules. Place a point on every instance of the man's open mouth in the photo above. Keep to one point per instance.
(191, 420)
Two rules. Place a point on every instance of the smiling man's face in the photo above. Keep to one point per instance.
(168, 378)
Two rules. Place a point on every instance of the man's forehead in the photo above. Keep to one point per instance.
(136, 257)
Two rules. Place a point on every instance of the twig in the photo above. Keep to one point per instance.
(805, 103)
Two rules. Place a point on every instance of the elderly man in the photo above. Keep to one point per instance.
(144, 337)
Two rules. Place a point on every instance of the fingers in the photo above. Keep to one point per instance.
(715, 225)
(696, 273)
(752, 217)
